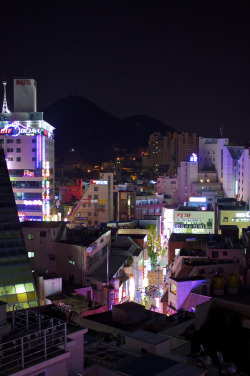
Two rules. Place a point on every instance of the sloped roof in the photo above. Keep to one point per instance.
(194, 300)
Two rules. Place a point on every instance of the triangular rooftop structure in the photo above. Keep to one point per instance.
(17, 287)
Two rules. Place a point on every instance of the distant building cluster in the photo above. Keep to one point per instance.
(125, 258)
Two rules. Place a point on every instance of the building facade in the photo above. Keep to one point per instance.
(96, 204)
(17, 287)
(28, 144)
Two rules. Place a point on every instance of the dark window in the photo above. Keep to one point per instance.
(9, 141)
(33, 140)
(18, 141)
(18, 159)
(33, 159)
(52, 257)
(9, 150)
(18, 150)
(43, 234)
(215, 254)
(95, 189)
(33, 150)
(224, 253)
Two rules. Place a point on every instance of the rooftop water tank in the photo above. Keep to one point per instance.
(232, 283)
(218, 285)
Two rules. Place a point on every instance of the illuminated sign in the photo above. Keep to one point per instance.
(16, 128)
(193, 158)
(200, 226)
(33, 202)
(81, 218)
(101, 182)
(197, 199)
(173, 289)
(28, 174)
(243, 215)
(23, 82)
(6, 131)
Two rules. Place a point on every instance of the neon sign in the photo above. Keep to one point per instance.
(173, 289)
(193, 158)
(16, 128)
(243, 215)
(197, 199)
(101, 182)
(33, 202)
(28, 174)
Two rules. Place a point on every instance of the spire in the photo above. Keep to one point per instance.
(5, 109)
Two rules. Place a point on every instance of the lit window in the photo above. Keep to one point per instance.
(31, 254)
(31, 237)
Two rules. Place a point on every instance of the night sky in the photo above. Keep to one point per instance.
(183, 62)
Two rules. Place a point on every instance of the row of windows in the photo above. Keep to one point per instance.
(18, 141)
(18, 150)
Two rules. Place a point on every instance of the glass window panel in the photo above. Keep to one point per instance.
(22, 298)
(32, 295)
(25, 305)
(8, 279)
(10, 290)
(2, 290)
(12, 298)
(29, 287)
(5, 270)
(20, 288)
(33, 304)
(15, 269)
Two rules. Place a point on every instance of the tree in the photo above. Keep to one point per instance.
(154, 245)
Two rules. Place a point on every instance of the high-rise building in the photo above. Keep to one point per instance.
(169, 150)
(17, 286)
(28, 143)
(216, 154)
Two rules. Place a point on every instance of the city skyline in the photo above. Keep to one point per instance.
(185, 64)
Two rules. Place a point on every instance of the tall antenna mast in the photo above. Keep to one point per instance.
(221, 132)
(5, 109)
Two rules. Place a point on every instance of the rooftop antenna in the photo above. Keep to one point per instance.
(221, 132)
(5, 109)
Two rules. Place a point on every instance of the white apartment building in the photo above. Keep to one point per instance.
(217, 154)
(211, 154)
(28, 143)
(187, 175)
(244, 176)
(96, 204)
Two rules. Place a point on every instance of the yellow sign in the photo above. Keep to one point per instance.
(102, 201)
(155, 277)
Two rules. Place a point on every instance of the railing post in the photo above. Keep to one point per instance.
(22, 352)
(65, 336)
(45, 344)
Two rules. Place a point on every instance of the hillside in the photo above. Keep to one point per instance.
(93, 133)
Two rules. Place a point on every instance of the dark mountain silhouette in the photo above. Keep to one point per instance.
(94, 133)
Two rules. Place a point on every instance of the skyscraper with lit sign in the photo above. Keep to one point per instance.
(28, 143)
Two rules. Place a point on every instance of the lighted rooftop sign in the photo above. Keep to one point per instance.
(193, 158)
(197, 199)
(243, 215)
(101, 182)
(16, 128)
